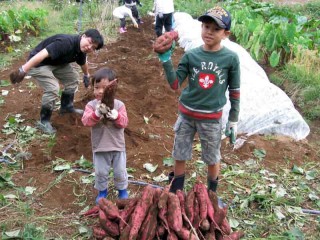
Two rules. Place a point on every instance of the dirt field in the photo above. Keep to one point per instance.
(146, 93)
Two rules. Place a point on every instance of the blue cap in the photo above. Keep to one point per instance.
(221, 17)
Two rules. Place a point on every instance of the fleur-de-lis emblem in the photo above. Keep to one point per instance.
(206, 81)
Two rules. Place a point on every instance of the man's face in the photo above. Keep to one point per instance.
(87, 45)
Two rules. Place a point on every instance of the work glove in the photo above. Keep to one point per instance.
(17, 76)
(112, 114)
(86, 80)
(140, 4)
(231, 131)
(136, 25)
(166, 56)
(101, 109)
(160, 15)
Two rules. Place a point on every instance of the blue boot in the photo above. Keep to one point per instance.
(102, 194)
(123, 194)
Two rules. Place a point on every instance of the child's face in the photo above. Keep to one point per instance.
(99, 87)
(212, 35)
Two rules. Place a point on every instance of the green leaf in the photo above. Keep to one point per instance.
(274, 59)
(297, 170)
(168, 162)
(233, 222)
(259, 153)
(4, 83)
(310, 175)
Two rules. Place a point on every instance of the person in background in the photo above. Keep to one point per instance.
(163, 10)
(211, 69)
(107, 139)
(122, 12)
(49, 64)
(133, 6)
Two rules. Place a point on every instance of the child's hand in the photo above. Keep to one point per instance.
(136, 25)
(231, 131)
(112, 114)
(101, 109)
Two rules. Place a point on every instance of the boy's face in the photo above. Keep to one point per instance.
(99, 87)
(212, 35)
(87, 45)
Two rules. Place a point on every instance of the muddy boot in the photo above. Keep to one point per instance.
(123, 194)
(67, 104)
(213, 184)
(44, 124)
(177, 182)
(102, 194)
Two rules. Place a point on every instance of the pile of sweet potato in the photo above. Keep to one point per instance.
(159, 214)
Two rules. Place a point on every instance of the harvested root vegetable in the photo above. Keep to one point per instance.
(160, 231)
(110, 209)
(201, 192)
(140, 211)
(149, 225)
(93, 212)
(126, 213)
(210, 236)
(122, 203)
(225, 227)
(108, 97)
(163, 207)
(111, 228)
(172, 236)
(219, 213)
(186, 234)
(196, 219)
(205, 225)
(174, 215)
(189, 207)
(99, 233)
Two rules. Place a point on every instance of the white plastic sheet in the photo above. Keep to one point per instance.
(264, 107)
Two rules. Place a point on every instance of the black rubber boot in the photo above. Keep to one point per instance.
(67, 104)
(213, 184)
(44, 123)
(177, 182)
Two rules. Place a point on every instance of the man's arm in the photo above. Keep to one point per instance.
(35, 60)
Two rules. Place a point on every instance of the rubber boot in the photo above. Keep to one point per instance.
(213, 184)
(67, 104)
(177, 182)
(123, 194)
(44, 124)
(102, 194)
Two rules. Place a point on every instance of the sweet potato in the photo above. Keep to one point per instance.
(205, 225)
(201, 191)
(110, 227)
(163, 207)
(210, 210)
(110, 209)
(210, 236)
(172, 236)
(196, 219)
(189, 207)
(98, 232)
(174, 212)
(186, 234)
(149, 225)
(140, 211)
(126, 232)
(225, 227)
(122, 203)
(92, 212)
(234, 236)
(219, 213)
(126, 213)
(160, 231)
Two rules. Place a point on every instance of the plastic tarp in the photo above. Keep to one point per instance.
(264, 107)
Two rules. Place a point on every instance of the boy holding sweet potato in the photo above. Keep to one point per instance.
(211, 69)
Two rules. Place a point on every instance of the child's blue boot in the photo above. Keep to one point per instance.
(102, 194)
(123, 194)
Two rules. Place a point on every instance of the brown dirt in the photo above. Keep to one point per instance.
(145, 92)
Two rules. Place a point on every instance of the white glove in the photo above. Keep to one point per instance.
(112, 114)
(231, 130)
(101, 109)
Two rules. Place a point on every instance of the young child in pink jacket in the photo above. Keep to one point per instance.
(108, 142)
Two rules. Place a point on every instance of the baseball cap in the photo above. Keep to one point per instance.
(221, 16)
